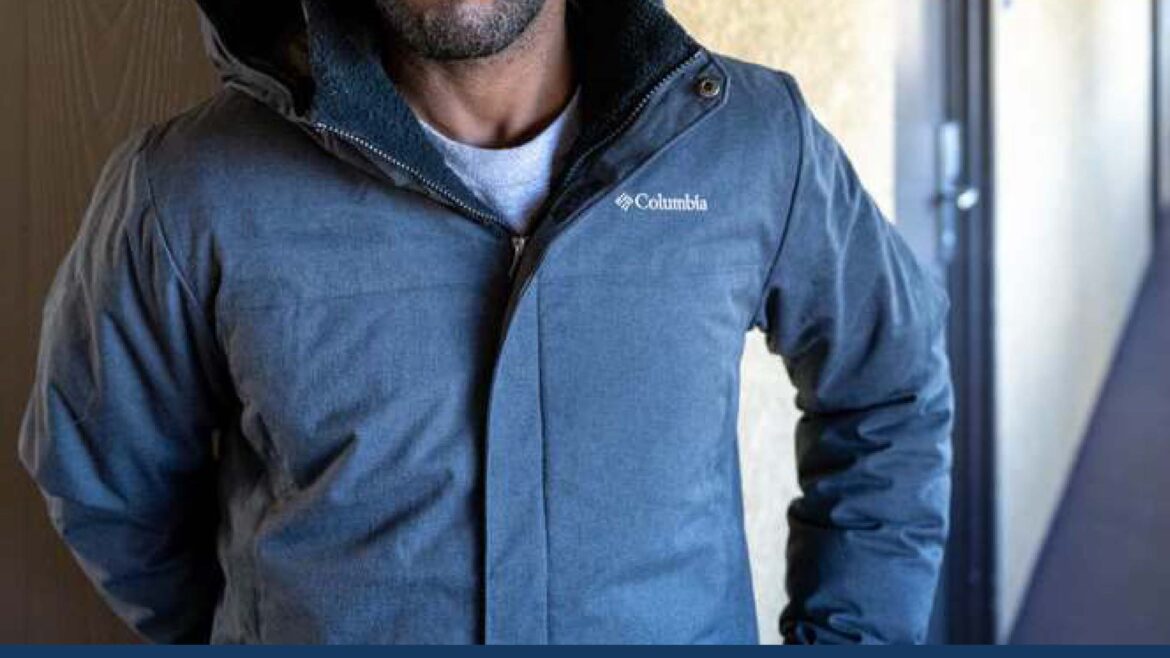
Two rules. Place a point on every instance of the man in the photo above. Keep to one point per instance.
(428, 329)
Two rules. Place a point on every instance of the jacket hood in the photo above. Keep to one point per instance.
(260, 46)
(319, 62)
(254, 40)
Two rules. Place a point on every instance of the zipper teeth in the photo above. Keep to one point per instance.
(435, 187)
(485, 217)
(518, 242)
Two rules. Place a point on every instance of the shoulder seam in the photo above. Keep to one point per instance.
(796, 184)
(155, 219)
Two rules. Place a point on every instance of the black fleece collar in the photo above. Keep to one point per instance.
(621, 48)
(355, 96)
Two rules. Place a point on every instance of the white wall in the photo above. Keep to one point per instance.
(1073, 176)
(1164, 99)
(843, 54)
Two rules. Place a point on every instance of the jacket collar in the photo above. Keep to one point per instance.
(622, 48)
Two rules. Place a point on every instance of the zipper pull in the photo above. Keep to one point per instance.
(518, 243)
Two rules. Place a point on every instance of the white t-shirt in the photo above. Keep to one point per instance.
(515, 181)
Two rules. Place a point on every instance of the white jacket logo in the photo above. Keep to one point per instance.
(661, 203)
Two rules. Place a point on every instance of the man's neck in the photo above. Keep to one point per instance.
(497, 101)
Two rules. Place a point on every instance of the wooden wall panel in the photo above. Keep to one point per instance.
(14, 346)
(79, 76)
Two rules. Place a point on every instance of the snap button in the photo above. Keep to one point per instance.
(709, 86)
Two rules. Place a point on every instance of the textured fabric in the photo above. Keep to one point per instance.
(293, 385)
(516, 180)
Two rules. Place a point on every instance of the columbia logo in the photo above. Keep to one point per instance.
(693, 203)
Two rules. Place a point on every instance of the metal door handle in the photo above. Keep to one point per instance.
(962, 199)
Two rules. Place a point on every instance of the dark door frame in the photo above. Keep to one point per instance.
(970, 578)
(944, 206)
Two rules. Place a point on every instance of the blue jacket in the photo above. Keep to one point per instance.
(297, 384)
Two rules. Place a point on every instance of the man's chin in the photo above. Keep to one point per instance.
(458, 30)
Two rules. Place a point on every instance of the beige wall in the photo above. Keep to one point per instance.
(842, 52)
(1072, 222)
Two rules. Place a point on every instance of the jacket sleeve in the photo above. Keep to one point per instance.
(118, 430)
(861, 328)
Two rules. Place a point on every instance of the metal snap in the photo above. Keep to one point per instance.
(709, 87)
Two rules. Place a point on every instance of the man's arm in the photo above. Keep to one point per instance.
(861, 329)
(118, 429)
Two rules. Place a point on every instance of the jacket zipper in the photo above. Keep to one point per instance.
(484, 218)
(629, 120)
(519, 242)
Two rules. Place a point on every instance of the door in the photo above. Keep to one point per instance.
(941, 210)
(78, 76)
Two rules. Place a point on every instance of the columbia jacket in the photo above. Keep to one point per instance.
(297, 384)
